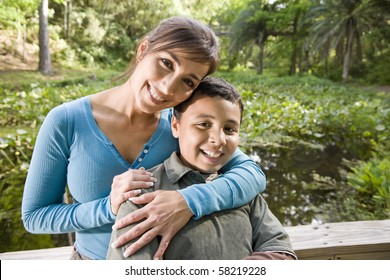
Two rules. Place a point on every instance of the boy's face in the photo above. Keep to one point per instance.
(208, 132)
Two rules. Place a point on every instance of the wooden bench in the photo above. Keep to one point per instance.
(363, 240)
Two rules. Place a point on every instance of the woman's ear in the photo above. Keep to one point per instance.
(142, 48)
(175, 127)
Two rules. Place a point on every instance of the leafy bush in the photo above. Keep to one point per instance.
(295, 122)
(372, 181)
(312, 110)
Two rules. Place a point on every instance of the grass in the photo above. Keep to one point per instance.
(18, 79)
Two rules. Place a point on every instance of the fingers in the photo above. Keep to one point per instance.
(141, 242)
(164, 214)
(131, 218)
(123, 184)
(145, 198)
(134, 179)
(164, 243)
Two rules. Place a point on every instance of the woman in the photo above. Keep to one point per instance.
(98, 145)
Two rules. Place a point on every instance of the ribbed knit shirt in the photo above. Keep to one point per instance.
(72, 151)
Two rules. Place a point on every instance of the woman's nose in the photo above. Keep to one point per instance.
(168, 86)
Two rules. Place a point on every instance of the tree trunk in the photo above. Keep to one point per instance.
(348, 51)
(293, 66)
(339, 53)
(261, 44)
(44, 51)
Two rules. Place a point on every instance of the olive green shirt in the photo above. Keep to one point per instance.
(228, 234)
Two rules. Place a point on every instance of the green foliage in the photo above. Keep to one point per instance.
(26, 109)
(372, 181)
(314, 111)
(313, 120)
(17, 13)
(295, 118)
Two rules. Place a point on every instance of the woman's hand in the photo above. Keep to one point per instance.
(127, 185)
(165, 213)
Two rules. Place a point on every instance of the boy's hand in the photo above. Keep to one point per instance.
(164, 214)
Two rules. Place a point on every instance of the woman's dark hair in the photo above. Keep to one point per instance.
(211, 87)
(193, 39)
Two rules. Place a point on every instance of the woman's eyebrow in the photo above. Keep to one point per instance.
(176, 59)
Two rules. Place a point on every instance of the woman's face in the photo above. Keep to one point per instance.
(163, 79)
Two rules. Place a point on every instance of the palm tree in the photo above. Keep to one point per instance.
(250, 28)
(44, 51)
(262, 19)
(340, 25)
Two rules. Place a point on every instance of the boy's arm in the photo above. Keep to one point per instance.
(269, 238)
(145, 253)
(241, 181)
(270, 256)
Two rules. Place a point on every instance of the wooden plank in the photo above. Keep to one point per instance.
(363, 240)
(340, 240)
(61, 253)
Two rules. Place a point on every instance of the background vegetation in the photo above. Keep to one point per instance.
(314, 76)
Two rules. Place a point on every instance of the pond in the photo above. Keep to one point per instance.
(301, 179)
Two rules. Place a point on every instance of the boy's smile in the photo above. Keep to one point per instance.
(208, 132)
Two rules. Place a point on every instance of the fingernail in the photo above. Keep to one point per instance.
(114, 227)
(114, 245)
(153, 179)
(138, 191)
(126, 254)
(151, 184)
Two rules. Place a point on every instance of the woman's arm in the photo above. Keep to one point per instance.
(43, 210)
(241, 181)
(167, 212)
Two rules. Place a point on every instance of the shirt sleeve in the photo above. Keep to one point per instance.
(43, 210)
(241, 181)
(268, 234)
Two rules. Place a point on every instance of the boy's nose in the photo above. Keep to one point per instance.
(217, 137)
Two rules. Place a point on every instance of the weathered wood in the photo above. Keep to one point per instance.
(364, 240)
(60, 253)
(351, 240)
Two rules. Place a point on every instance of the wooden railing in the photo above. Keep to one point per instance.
(364, 240)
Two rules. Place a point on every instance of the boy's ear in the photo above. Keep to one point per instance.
(175, 127)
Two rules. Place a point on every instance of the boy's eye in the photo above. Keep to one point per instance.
(230, 130)
(204, 124)
(189, 83)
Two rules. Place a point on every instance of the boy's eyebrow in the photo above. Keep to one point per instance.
(202, 116)
(176, 59)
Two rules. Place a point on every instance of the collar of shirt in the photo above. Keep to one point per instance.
(175, 170)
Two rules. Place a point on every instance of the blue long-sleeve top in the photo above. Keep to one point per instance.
(72, 151)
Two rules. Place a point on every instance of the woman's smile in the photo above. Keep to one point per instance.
(155, 97)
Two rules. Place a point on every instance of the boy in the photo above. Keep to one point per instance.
(207, 126)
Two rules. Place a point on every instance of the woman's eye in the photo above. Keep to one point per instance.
(167, 63)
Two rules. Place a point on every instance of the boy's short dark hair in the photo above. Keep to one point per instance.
(211, 87)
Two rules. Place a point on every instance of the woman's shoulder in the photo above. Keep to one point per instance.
(70, 107)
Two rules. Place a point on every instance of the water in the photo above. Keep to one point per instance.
(301, 180)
